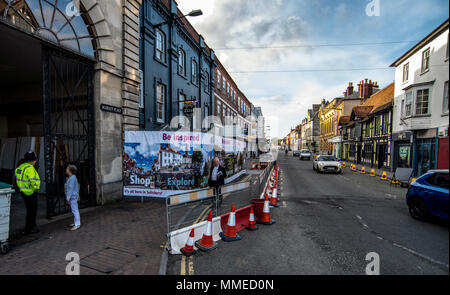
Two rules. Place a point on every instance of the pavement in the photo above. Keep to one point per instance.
(125, 238)
(328, 224)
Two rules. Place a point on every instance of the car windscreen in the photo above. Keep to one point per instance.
(304, 151)
(327, 159)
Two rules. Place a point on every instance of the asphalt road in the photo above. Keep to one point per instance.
(327, 224)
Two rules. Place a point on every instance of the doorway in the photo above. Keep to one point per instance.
(46, 106)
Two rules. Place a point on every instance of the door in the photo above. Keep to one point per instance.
(381, 155)
(69, 134)
(437, 192)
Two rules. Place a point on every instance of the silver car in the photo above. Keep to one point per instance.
(305, 154)
(327, 164)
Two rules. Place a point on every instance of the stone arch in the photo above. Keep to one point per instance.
(100, 31)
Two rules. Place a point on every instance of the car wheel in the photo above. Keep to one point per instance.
(418, 209)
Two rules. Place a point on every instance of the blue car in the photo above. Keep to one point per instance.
(428, 196)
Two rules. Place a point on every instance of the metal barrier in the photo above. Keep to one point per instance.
(189, 210)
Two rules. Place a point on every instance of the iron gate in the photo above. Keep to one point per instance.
(69, 131)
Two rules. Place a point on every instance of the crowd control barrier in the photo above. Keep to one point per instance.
(188, 211)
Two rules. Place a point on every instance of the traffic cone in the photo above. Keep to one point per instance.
(384, 176)
(274, 199)
(363, 170)
(344, 164)
(251, 221)
(188, 249)
(207, 243)
(353, 167)
(265, 219)
(372, 172)
(230, 234)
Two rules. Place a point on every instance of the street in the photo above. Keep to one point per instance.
(327, 224)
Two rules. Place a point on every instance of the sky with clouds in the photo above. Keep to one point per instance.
(233, 28)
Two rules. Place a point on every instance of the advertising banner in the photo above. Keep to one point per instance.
(163, 163)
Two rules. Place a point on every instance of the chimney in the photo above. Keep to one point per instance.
(367, 88)
(349, 89)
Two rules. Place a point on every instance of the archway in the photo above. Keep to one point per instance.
(47, 61)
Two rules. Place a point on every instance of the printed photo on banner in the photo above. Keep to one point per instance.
(160, 164)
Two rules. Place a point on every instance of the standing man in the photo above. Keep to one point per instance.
(217, 174)
(28, 182)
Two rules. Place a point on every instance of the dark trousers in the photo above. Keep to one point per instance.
(31, 204)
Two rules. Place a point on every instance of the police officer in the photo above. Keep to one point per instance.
(28, 182)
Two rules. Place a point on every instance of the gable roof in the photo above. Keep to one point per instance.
(381, 99)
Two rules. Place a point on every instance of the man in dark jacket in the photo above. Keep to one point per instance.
(217, 174)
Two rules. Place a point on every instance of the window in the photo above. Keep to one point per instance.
(219, 77)
(181, 100)
(402, 111)
(405, 72)
(194, 72)
(223, 84)
(439, 179)
(445, 107)
(422, 102)
(160, 102)
(446, 51)
(385, 124)
(425, 60)
(160, 46)
(181, 62)
(207, 81)
(219, 108)
(408, 104)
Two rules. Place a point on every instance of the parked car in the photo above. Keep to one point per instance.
(296, 153)
(327, 164)
(428, 196)
(305, 154)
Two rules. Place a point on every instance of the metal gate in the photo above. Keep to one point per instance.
(69, 131)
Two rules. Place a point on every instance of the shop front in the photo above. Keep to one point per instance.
(403, 150)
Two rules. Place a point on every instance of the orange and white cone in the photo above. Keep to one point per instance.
(230, 234)
(265, 218)
(251, 221)
(188, 249)
(207, 243)
(274, 198)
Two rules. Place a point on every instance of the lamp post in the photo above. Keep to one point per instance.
(193, 13)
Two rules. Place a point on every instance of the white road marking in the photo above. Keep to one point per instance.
(421, 255)
(284, 205)
(391, 196)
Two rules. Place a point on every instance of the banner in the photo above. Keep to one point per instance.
(160, 164)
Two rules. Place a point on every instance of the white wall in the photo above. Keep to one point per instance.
(439, 72)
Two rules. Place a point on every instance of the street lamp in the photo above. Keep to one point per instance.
(193, 13)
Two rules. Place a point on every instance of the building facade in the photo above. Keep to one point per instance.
(178, 70)
(74, 89)
(420, 121)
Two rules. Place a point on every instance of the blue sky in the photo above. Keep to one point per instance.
(286, 97)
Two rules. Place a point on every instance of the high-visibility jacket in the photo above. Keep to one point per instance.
(27, 179)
